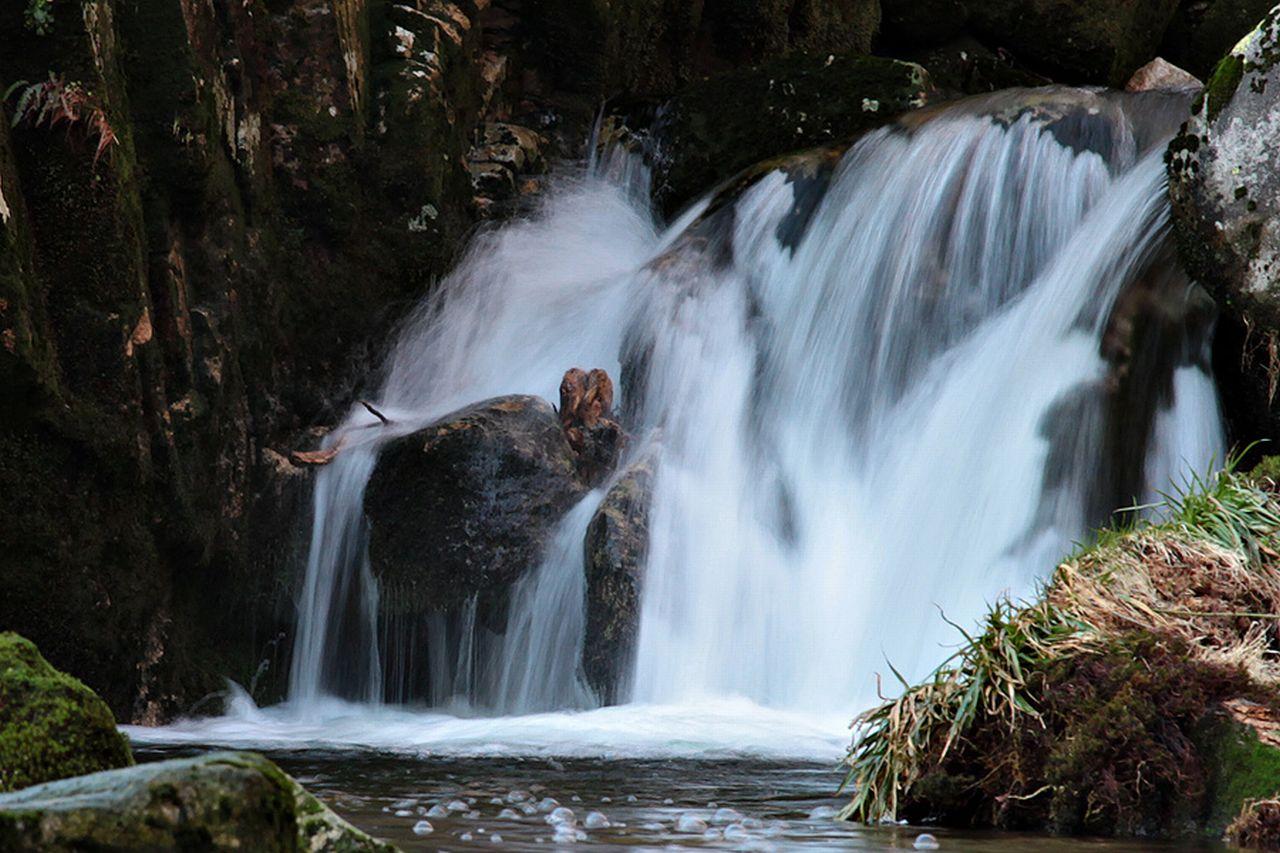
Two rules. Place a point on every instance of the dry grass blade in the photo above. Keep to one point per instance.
(1204, 574)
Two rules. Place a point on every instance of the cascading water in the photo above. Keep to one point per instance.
(880, 383)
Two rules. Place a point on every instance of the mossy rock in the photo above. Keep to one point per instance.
(1242, 762)
(51, 725)
(219, 801)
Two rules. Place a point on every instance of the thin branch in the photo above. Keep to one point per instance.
(369, 407)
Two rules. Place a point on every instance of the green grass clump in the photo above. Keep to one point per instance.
(1174, 609)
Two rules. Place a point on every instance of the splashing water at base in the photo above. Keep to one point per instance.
(882, 383)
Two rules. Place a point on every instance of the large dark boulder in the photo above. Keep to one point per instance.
(51, 725)
(615, 549)
(1224, 184)
(1076, 41)
(465, 506)
(220, 801)
(719, 126)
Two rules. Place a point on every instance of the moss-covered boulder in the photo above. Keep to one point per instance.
(615, 549)
(1137, 696)
(51, 725)
(1224, 184)
(719, 126)
(220, 801)
(1076, 41)
(465, 506)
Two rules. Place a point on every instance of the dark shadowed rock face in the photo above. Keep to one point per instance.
(465, 506)
(616, 546)
(220, 801)
(1095, 41)
(1203, 30)
(717, 127)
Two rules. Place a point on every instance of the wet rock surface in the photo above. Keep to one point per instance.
(615, 550)
(466, 505)
(219, 801)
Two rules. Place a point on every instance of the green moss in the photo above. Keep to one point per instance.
(51, 725)
(1222, 85)
(1240, 768)
(1266, 473)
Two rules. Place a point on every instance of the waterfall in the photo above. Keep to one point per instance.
(886, 382)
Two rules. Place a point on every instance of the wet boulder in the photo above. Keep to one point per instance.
(466, 505)
(717, 127)
(1224, 184)
(51, 725)
(219, 801)
(616, 546)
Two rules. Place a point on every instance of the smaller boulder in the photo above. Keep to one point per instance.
(219, 801)
(51, 725)
(616, 546)
(1161, 76)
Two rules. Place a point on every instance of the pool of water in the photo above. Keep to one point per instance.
(464, 802)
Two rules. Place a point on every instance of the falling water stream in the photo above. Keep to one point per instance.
(883, 385)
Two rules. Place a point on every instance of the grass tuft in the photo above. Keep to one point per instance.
(1199, 568)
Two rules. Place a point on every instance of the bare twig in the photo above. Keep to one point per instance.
(371, 410)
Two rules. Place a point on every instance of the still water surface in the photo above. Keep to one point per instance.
(648, 804)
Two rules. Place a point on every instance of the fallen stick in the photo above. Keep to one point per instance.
(369, 407)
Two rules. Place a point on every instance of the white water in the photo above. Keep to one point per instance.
(902, 412)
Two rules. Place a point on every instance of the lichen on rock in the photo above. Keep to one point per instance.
(1224, 185)
(51, 725)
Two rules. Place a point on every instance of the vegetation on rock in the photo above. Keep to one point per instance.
(1101, 707)
(51, 725)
